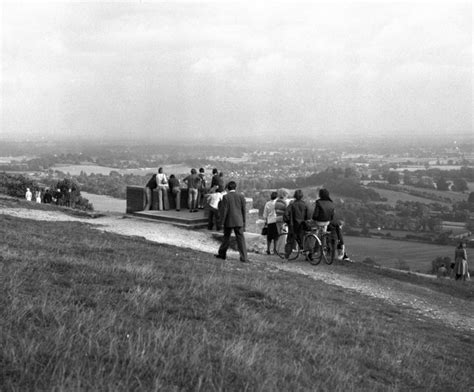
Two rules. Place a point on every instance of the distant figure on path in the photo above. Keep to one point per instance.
(192, 181)
(38, 196)
(48, 197)
(163, 187)
(461, 269)
(442, 272)
(58, 196)
(28, 194)
(269, 214)
(233, 218)
(175, 190)
(150, 185)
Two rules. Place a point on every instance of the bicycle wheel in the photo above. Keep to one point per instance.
(312, 249)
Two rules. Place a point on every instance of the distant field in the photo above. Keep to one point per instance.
(387, 252)
(75, 170)
(456, 196)
(394, 196)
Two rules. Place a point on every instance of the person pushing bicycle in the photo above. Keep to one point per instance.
(296, 215)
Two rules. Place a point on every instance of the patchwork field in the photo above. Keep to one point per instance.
(388, 253)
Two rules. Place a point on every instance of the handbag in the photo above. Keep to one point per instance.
(265, 230)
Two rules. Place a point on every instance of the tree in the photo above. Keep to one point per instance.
(442, 184)
(15, 185)
(460, 185)
(470, 199)
(393, 177)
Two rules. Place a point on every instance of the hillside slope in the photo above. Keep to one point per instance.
(85, 308)
(415, 293)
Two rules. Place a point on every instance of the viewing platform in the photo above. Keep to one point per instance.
(136, 200)
(182, 218)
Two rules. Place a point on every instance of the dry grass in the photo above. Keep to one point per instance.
(84, 310)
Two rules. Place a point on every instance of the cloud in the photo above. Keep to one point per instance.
(187, 66)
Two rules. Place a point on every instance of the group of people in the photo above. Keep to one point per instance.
(46, 197)
(227, 208)
(199, 192)
(282, 215)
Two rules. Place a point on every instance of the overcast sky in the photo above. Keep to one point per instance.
(218, 69)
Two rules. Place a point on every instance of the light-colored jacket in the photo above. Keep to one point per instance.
(269, 213)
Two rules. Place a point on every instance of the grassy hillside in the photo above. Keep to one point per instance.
(86, 310)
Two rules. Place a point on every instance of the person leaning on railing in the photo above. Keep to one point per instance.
(175, 190)
(150, 185)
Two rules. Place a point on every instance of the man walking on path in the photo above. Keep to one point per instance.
(233, 218)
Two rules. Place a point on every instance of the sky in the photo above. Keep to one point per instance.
(196, 70)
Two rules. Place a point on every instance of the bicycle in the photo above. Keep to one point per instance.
(319, 245)
(313, 250)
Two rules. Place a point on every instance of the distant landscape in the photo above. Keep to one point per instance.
(403, 205)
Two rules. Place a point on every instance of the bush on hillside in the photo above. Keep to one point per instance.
(15, 185)
(70, 195)
(438, 262)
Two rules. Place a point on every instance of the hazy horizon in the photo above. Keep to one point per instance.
(222, 71)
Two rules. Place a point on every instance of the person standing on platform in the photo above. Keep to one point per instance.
(215, 178)
(202, 189)
(192, 181)
(162, 182)
(175, 190)
(150, 185)
(233, 218)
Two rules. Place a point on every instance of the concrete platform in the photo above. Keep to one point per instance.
(183, 218)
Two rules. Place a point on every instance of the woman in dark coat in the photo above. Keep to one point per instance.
(324, 209)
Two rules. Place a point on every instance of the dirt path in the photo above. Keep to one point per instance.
(423, 301)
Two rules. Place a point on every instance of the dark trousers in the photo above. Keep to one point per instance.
(239, 237)
(295, 234)
(214, 215)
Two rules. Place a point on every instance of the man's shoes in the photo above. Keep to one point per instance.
(177, 209)
(245, 261)
(268, 252)
(218, 256)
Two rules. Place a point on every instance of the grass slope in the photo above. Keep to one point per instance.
(85, 310)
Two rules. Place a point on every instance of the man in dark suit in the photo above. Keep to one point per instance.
(233, 218)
